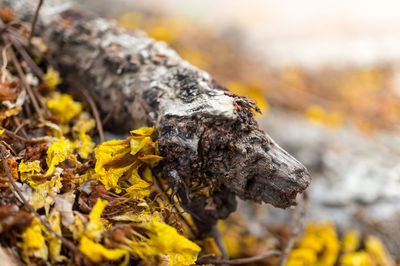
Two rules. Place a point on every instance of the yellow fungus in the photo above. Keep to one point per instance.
(97, 253)
(58, 152)
(63, 106)
(52, 78)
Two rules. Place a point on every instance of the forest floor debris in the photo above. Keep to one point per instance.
(66, 200)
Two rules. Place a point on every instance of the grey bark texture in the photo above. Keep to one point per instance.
(212, 146)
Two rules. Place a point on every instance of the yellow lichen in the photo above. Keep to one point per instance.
(54, 220)
(94, 228)
(351, 241)
(360, 258)
(58, 152)
(98, 253)
(63, 106)
(33, 242)
(319, 115)
(28, 169)
(52, 78)
(319, 246)
(377, 249)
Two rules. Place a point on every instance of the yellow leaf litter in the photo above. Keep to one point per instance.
(98, 253)
(63, 106)
(58, 152)
(94, 228)
(54, 220)
(320, 246)
(93, 234)
(33, 242)
(83, 143)
(162, 242)
(124, 165)
(43, 188)
(182, 252)
(52, 78)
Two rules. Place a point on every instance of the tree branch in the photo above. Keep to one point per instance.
(207, 134)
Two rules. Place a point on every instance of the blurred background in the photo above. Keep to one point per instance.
(326, 75)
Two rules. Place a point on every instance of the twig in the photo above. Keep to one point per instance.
(65, 241)
(95, 114)
(297, 223)
(10, 148)
(191, 229)
(219, 241)
(27, 108)
(35, 69)
(20, 127)
(24, 82)
(108, 116)
(35, 18)
(4, 63)
(265, 255)
(13, 135)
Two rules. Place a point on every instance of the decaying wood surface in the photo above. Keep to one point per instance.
(207, 135)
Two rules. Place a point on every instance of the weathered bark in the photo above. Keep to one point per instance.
(207, 135)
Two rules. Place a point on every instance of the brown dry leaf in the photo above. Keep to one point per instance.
(9, 91)
(7, 14)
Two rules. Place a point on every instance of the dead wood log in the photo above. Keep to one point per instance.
(207, 135)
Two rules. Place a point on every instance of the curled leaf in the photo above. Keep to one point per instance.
(151, 159)
(138, 143)
(143, 131)
(9, 112)
(110, 163)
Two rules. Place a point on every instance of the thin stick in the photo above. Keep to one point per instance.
(27, 109)
(25, 83)
(35, 69)
(265, 255)
(13, 135)
(5, 62)
(35, 18)
(108, 116)
(20, 127)
(9, 147)
(65, 241)
(95, 114)
(191, 229)
(297, 223)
